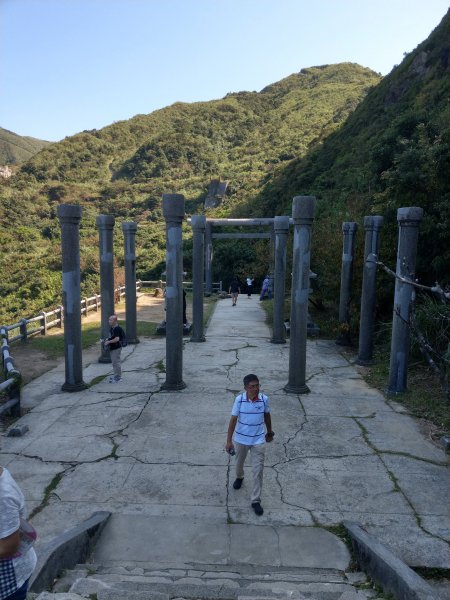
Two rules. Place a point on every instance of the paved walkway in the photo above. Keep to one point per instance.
(340, 452)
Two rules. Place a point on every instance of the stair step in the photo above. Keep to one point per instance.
(180, 540)
(110, 586)
(233, 572)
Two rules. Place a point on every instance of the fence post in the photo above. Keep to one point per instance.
(14, 393)
(61, 316)
(43, 323)
(23, 330)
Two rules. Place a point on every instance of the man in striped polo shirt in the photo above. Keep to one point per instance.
(249, 414)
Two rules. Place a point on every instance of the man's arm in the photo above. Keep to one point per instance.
(9, 545)
(231, 427)
(268, 422)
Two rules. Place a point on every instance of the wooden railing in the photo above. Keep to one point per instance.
(39, 325)
(187, 285)
(12, 380)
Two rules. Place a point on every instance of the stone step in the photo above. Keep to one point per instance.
(215, 585)
(135, 538)
(206, 571)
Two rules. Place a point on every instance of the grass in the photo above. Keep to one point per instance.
(424, 398)
(53, 345)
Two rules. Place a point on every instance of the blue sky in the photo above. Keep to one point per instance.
(70, 65)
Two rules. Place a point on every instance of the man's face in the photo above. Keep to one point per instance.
(112, 321)
(252, 389)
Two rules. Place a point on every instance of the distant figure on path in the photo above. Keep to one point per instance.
(114, 343)
(249, 287)
(265, 288)
(249, 414)
(235, 290)
(17, 536)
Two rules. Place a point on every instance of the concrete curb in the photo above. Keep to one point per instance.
(67, 550)
(385, 568)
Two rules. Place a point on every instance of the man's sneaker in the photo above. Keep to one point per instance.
(238, 483)
(257, 508)
(111, 379)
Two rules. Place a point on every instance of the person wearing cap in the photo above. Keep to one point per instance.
(250, 427)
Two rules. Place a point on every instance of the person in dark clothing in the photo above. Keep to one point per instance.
(249, 286)
(114, 343)
(235, 290)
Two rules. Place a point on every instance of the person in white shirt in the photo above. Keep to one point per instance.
(246, 433)
(17, 555)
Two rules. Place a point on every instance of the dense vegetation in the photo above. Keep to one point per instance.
(393, 151)
(16, 149)
(125, 168)
(361, 145)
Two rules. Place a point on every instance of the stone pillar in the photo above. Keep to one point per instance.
(208, 258)
(69, 218)
(173, 211)
(129, 245)
(372, 226)
(273, 259)
(348, 251)
(198, 227)
(281, 228)
(408, 221)
(105, 225)
(303, 209)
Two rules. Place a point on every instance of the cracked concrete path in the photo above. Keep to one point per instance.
(341, 452)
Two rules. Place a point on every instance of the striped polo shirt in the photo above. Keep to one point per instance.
(250, 424)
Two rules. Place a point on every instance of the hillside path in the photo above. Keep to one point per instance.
(340, 452)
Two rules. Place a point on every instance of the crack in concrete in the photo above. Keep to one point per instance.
(286, 502)
(397, 488)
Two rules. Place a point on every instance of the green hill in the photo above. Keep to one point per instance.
(124, 168)
(359, 143)
(393, 151)
(16, 149)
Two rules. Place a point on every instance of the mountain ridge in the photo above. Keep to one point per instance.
(124, 168)
(15, 149)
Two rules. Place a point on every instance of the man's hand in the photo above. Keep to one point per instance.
(229, 446)
(269, 437)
